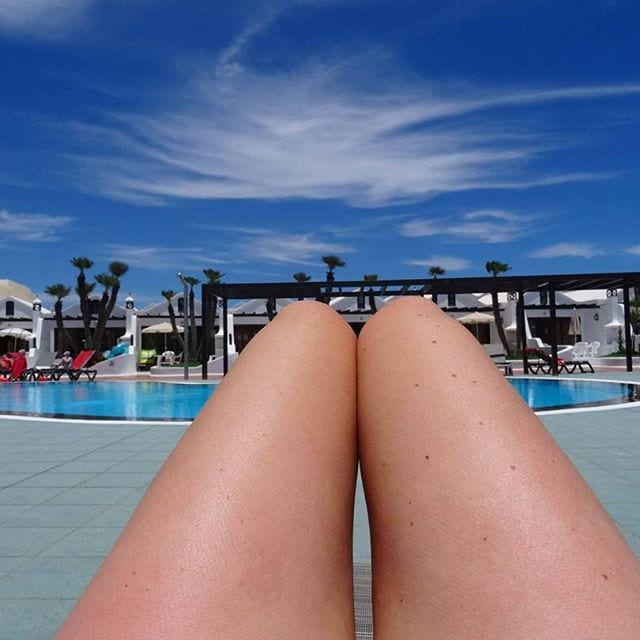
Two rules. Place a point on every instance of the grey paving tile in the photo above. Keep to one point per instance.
(135, 466)
(95, 466)
(54, 479)
(124, 479)
(29, 619)
(45, 577)
(29, 541)
(54, 515)
(26, 466)
(90, 495)
(150, 456)
(617, 492)
(86, 541)
(103, 456)
(7, 479)
(10, 510)
(27, 495)
(9, 563)
(116, 516)
(625, 513)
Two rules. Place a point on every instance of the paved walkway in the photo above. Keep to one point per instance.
(67, 490)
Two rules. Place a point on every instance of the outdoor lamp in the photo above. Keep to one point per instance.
(128, 302)
(36, 305)
(360, 299)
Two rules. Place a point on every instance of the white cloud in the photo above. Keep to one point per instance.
(31, 227)
(44, 18)
(568, 250)
(264, 245)
(241, 244)
(158, 258)
(449, 263)
(634, 251)
(317, 132)
(490, 226)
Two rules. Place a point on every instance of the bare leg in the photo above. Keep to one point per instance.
(246, 531)
(481, 527)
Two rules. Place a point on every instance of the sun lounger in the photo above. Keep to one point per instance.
(544, 363)
(77, 369)
(499, 358)
(18, 369)
(147, 358)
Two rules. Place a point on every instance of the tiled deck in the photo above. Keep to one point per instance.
(68, 489)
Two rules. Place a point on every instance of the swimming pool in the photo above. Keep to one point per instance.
(158, 401)
(105, 400)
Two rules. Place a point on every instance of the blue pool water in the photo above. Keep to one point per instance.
(116, 400)
(161, 401)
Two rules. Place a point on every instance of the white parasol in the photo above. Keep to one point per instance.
(163, 327)
(575, 325)
(475, 318)
(17, 334)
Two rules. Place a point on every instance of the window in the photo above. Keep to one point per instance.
(9, 308)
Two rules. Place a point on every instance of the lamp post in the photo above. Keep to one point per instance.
(185, 315)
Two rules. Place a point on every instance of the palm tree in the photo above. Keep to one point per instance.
(192, 282)
(371, 277)
(60, 291)
(435, 271)
(332, 263)
(213, 276)
(168, 294)
(301, 277)
(111, 287)
(83, 289)
(495, 268)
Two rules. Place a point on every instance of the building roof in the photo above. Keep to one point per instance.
(11, 289)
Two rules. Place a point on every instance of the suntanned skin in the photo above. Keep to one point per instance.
(246, 531)
(482, 529)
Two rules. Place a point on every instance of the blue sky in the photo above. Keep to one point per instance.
(254, 137)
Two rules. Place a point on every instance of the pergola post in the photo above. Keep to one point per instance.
(225, 329)
(206, 332)
(554, 332)
(627, 327)
(522, 331)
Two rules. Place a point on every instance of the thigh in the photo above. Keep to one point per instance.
(246, 530)
(481, 527)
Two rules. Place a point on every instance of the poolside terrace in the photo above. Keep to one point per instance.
(68, 488)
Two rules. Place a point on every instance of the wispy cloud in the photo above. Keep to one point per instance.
(323, 131)
(31, 227)
(634, 251)
(277, 247)
(568, 250)
(157, 258)
(488, 225)
(449, 263)
(42, 18)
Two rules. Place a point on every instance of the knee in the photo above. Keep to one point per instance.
(399, 312)
(317, 314)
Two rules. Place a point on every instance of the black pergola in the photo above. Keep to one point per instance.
(515, 286)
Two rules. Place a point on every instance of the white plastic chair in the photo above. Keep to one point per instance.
(580, 350)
